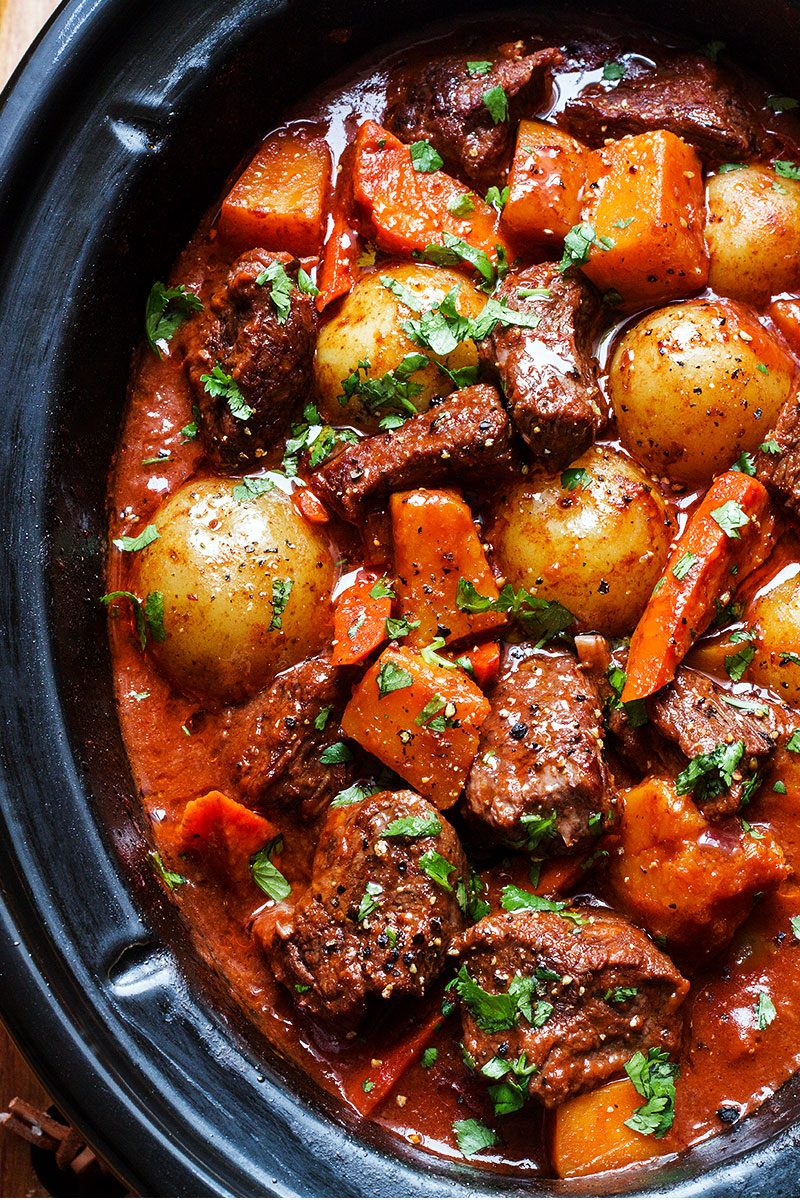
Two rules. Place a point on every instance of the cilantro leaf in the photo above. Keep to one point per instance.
(165, 312)
(496, 102)
(781, 104)
(266, 874)
(370, 901)
(793, 743)
(481, 67)
(392, 678)
(613, 71)
(219, 383)
(454, 250)
(131, 544)
(413, 827)
(437, 868)
(709, 775)
(461, 206)
(353, 794)
(731, 518)
(171, 878)
(575, 477)
(684, 565)
(397, 627)
(788, 170)
(497, 198)
(280, 289)
(148, 615)
(424, 158)
(281, 591)
(306, 284)
(473, 1136)
(736, 664)
(654, 1078)
(765, 1010)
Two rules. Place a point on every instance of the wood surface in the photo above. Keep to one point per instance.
(20, 21)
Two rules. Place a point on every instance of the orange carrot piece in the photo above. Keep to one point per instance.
(339, 271)
(393, 1067)
(786, 315)
(697, 574)
(545, 184)
(225, 833)
(485, 660)
(280, 200)
(359, 620)
(589, 1133)
(309, 505)
(425, 728)
(646, 199)
(408, 209)
(436, 544)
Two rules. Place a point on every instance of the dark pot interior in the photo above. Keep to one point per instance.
(115, 136)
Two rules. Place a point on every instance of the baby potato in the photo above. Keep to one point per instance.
(753, 233)
(594, 538)
(694, 384)
(367, 328)
(775, 615)
(225, 568)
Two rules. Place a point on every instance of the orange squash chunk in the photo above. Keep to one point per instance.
(420, 720)
(224, 833)
(646, 204)
(589, 1133)
(545, 184)
(436, 544)
(786, 315)
(280, 200)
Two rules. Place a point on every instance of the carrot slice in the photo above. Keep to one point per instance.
(729, 534)
(225, 833)
(545, 184)
(420, 719)
(309, 505)
(646, 204)
(280, 199)
(786, 315)
(338, 272)
(359, 619)
(485, 661)
(435, 545)
(393, 1067)
(410, 209)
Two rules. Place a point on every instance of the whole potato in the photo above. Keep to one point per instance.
(598, 547)
(367, 328)
(753, 233)
(694, 384)
(223, 567)
(775, 615)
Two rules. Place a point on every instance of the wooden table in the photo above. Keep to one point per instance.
(20, 21)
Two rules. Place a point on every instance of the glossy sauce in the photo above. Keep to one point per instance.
(175, 749)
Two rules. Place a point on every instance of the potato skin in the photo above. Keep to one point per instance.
(694, 384)
(598, 549)
(214, 562)
(367, 326)
(775, 615)
(753, 233)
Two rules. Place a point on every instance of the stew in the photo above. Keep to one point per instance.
(454, 591)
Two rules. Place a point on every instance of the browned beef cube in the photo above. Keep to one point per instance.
(693, 712)
(275, 745)
(778, 467)
(269, 358)
(549, 374)
(442, 103)
(591, 990)
(687, 97)
(373, 924)
(538, 777)
(462, 438)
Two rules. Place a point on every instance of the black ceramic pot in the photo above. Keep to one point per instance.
(114, 136)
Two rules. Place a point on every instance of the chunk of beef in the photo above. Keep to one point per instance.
(373, 923)
(443, 104)
(686, 96)
(538, 777)
(268, 357)
(778, 467)
(693, 712)
(589, 993)
(462, 438)
(549, 374)
(687, 881)
(275, 746)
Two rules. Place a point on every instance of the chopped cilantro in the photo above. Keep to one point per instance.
(382, 590)
(370, 901)
(731, 518)
(736, 664)
(578, 243)
(281, 591)
(335, 754)
(148, 615)
(473, 1136)
(267, 875)
(148, 535)
(793, 743)
(424, 158)
(392, 678)
(166, 310)
(788, 170)
(322, 717)
(765, 1010)
(684, 565)
(429, 1057)
(353, 795)
(621, 995)
(413, 827)
(437, 868)
(745, 463)
(394, 391)
(171, 878)
(709, 775)
(781, 104)
(250, 487)
(476, 69)
(306, 283)
(219, 383)
(461, 206)
(613, 71)
(397, 627)
(654, 1078)
(454, 250)
(280, 289)
(497, 197)
(496, 102)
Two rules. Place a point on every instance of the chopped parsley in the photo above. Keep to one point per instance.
(334, 755)
(148, 615)
(765, 1010)
(148, 535)
(280, 289)
(654, 1078)
(424, 158)
(575, 477)
(171, 878)
(165, 312)
(392, 678)
(731, 518)
(281, 591)
(473, 1136)
(413, 827)
(437, 868)
(219, 383)
(709, 775)
(266, 874)
(496, 102)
